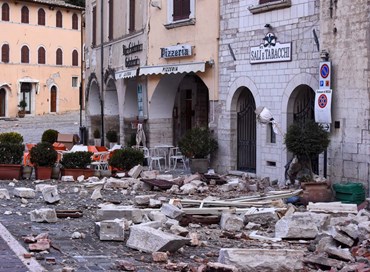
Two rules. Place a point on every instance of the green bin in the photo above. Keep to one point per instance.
(351, 192)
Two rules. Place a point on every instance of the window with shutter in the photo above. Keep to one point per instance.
(59, 19)
(132, 16)
(94, 26)
(74, 21)
(74, 58)
(5, 12)
(181, 9)
(267, 1)
(25, 15)
(25, 54)
(5, 53)
(110, 32)
(41, 17)
(59, 56)
(41, 55)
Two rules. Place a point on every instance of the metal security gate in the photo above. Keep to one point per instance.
(246, 132)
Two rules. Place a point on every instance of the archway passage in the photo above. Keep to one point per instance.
(2, 102)
(246, 132)
(53, 99)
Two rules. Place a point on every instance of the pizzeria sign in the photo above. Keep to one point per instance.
(271, 51)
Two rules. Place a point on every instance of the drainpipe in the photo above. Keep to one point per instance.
(102, 74)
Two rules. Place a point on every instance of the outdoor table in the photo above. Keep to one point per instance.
(166, 148)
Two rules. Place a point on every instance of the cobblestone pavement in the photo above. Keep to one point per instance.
(32, 127)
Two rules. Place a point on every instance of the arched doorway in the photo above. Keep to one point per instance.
(246, 131)
(53, 99)
(302, 102)
(191, 107)
(26, 88)
(111, 110)
(2, 101)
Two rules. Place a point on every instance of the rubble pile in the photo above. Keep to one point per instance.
(186, 223)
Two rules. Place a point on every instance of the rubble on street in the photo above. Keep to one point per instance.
(147, 221)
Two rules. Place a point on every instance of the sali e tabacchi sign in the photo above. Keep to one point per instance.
(271, 51)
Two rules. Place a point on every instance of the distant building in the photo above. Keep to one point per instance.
(40, 56)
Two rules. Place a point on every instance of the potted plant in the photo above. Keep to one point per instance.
(112, 137)
(126, 158)
(11, 154)
(306, 141)
(197, 144)
(50, 136)
(76, 164)
(22, 108)
(97, 139)
(43, 157)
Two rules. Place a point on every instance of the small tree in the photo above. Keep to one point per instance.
(306, 141)
(50, 136)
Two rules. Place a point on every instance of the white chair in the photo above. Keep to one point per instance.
(175, 156)
(100, 160)
(156, 155)
(146, 153)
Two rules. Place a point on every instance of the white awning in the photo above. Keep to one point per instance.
(126, 73)
(173, 68)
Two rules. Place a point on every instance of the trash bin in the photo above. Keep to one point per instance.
(83, 135)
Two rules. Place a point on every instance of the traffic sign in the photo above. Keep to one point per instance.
(324, 75)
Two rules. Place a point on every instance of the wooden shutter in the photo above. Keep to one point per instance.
(74, 21)
(5, 53)
(25, 13)
(25, 55)
(41, 17)
(132, 16)
(94, 26)
(59, 57)
(59, 22)
(267, 1)
(74, 58)
(41, 55)
(5, 12)
(181, 9)
(110, 34)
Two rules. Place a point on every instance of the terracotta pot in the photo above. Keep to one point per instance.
(43, 172)
(10, 171)
(77, 172)
(316, 192)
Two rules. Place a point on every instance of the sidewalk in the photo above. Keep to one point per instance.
(11, 255)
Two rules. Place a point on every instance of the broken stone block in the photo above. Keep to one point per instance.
(265, 219)
(67, 178)
(154, 203)
(325, 242)
(110, 230)
(190, 178)
(231, 222)
(160, 257)
(44, 215)
(114, 183)
(178, 230)
(151, 240)
(157, 216)
(320, 260)
(143, 200)
(221, 267)
(262, 259)
(341, 253)
(172, 211)
(96, 194)
(24, 192)
(170, 222)
(110, 212)
(351, 230)
(4, 194)
(342, 238)
(50, 194)
(40, 245)
(135, 171)
(188, 188)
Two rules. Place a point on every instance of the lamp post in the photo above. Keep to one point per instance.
(102, 74)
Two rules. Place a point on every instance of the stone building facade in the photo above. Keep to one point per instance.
(40, 56)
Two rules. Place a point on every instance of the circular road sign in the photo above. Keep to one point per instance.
(324, 70)
(322, 101)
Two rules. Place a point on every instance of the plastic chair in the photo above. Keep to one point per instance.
(175, 156)
(100, 160)
(156, 155)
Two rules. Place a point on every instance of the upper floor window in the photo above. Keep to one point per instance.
(131, 23)
(41, 17)
(25, 54)
(59, 19)
(180, 13)
(59, 57)
(110, 30)
(25, 15)
(181, 9)
(74, 21)
(74, 58)
(94, 26)
(5, 12)
(268, 5)
(41, 55)
(267, 1)
(5, 53)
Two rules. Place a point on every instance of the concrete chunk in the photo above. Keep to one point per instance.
(44, 215)
(135, 171)
(50, 194)
(231, 222)
(143, 200)
(110, 212)
(254, 260)
(151, 240)
(24, 192)
(4, 194)
(110, 230)
(172, 211)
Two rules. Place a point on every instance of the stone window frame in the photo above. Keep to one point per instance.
(270, 5)
(173, 23)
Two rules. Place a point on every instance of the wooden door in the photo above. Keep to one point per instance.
(2, 102)
(53, 99)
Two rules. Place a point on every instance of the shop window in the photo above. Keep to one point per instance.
(41, 55)
(25, 54)
(25, 15)
(59, 57)
(74, 58)
(41, 17)
(5, 12)
(59, 19)
(74, 21)
(5, 53)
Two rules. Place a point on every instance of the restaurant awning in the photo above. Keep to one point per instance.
(173, 68)
(126, 73)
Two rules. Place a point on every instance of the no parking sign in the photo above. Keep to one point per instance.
(323, 106)
(324, 75)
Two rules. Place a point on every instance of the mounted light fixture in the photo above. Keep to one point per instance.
(268, 26)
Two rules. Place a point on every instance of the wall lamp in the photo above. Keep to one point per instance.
(268, 25)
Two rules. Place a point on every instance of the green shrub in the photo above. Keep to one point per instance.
(11, 153)
(50, 136)
(43, 154)
(96, 133)
(76, 160)
(126, 158)
(198, 143)
(11, 137)
(112, 136)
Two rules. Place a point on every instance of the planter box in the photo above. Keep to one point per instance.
(77, 172)
(43, 172)
(10, 171)
(199, 166)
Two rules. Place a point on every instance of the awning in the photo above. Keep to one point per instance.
(173, 68)
(126, 73)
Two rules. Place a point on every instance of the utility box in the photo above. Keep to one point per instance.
(69, 140)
